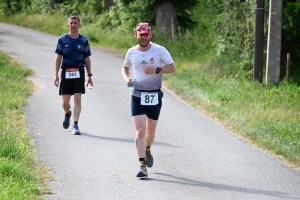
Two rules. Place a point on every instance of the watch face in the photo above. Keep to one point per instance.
(158, 70)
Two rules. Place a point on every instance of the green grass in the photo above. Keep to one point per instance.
(267, 116)
(19, 177)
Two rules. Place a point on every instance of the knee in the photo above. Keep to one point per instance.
(150, 134)
(65, 102)
(77, 99)
(140, 133)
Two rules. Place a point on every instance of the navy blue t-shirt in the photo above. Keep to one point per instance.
(73, 51)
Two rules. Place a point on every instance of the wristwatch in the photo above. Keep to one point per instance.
(90, 75)
(158, 69)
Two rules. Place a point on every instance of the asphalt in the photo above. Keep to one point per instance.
(194, 156)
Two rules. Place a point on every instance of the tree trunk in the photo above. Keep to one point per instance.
(274, 43)
(108, 4)
(166, 19)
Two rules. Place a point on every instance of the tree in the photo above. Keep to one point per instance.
(166, 19)
(290, 38)
(172, 14)
(108, 4)
(169, 14)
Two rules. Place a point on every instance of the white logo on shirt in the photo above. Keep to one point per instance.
(67, 45)
(79, 46)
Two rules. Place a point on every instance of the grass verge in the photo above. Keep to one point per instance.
(263, 115)
(19, 177)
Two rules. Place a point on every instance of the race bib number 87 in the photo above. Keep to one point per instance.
(149, 98)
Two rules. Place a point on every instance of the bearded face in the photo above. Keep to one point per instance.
(143, 39)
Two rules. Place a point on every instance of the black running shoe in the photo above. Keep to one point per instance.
(66, 122)
(149, 159)
(142, 173)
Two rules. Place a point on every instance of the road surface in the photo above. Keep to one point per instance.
(194, 156)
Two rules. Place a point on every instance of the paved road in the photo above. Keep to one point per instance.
(195, 157)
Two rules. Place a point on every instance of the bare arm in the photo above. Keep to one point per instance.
(57, 63)
(125, 74)
(88, 65)
(168, 69)
(56, 69)
(89, 70)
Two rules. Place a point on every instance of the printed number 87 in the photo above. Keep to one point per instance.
(149, 98)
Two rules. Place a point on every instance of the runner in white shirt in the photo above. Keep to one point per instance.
(149, 62)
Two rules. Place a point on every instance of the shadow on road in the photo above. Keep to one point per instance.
(215, 186)
(128, 140)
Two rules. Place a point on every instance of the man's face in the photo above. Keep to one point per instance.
(143, 39)
(73, 25)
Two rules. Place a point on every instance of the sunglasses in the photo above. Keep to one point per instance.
(138, 28)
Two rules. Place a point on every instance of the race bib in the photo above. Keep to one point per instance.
(149, 98)
(72, 73)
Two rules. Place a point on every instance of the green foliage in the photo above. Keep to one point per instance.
(127, 14)
(205, 14)
(141, 10)
(235, 24)
(9, 7)
(87, 10)
(290, 37)
(42, 6)
(220, 25)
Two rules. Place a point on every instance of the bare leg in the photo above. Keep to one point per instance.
(66, 103)
(145, 133)
(150, 131)
(77, 106)
(140, 138)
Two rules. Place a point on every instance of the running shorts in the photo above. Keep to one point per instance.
(72, 86)
(152, 111)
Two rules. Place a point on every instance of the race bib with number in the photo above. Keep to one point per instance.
(72, 73)
(149, 98)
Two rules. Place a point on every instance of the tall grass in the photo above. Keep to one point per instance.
(18, 176)
(216, 84)
(267, 116)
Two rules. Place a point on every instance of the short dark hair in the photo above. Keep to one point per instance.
(74, 17)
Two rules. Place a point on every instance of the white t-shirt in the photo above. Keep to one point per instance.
(156, 56)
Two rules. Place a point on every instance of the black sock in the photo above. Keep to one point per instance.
(75, 122)
(142, 160)
(148, 148)
(68, 114)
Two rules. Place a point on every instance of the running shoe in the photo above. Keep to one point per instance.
(75, 130)
(142, 173)
(149, 158)
(66, 122)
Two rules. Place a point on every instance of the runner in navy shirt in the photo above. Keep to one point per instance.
(73, 58)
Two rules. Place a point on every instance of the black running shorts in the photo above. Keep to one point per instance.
(151, 111)
(72, 86)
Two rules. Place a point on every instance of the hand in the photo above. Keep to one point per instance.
(149, 69)
(90, 81)
(56, 80)
(128, 82)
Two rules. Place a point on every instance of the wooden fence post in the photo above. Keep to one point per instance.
(172, 27)
(288, 62)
